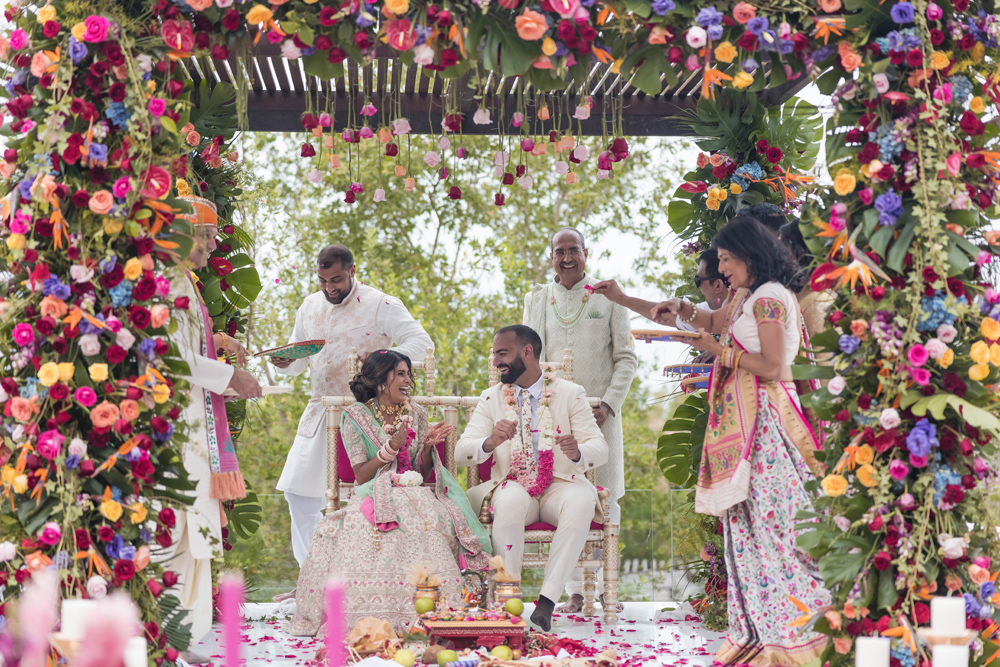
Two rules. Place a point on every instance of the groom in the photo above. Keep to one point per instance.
(526, 415)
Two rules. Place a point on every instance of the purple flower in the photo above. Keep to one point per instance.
(922, 438)
(114, 548)
(715, 32)
(889, 206)
(902, 12)
(77, 50)
(708, 16)
(987, 590)
(87, 328)
(127, 552)
(98, 152)
(148, 348)
(72, 462)
(52, 286)
(758, 25)
(849, 344)
(661, 7)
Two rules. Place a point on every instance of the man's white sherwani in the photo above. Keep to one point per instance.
(604, 360)
(570, 503)
(197, 536)
(367, 320)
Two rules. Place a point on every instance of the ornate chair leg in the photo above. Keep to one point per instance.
(589, 588)
(611, 566)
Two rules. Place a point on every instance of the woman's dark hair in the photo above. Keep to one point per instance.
(376, 370)
(767, 258)
(711, 259)
(791, 236)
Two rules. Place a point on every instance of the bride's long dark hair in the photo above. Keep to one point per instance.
(376, 370)
(767, 258)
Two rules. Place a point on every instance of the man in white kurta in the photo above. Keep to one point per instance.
(599, 333)
(345, 314)
(570, 502)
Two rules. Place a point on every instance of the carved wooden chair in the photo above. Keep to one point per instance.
(601, 536)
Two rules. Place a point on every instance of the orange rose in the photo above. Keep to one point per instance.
(37, 561)
(21, 408)
(531, 25)
(702, 160)
(159, 315)
(202, 5)
(743, 12)
(104, 414)
(129, 409)
(53, 306)
(101, 202)
(851, 61)
(142, 557)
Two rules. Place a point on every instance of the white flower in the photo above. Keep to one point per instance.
(881, 82)
(952, 547)
(400, 126)
(432, 158)
(843, 523)
(603, 173)
(97, 587)
(444, 143)
(498, 171)
(224, 3)
(315, 177)
(582, 112)
(481, 117)
(500, 158)
(836, 385)
(410, 478)
(580, 153)
(289, 50)
(889, 419)
(90, 345)
(3, 395)
(960, 201)
(125, 338)
(946, 333)
(77, 447)
(696, 37)
(423, 54)
(7, 552)
(526, 181)
(144, 63)
(936, 348)
(80, 273)
(561, 167)
(18, 434)
(379, 195)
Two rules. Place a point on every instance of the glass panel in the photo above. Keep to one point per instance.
(267, 559)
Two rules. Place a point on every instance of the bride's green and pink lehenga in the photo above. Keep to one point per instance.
(372, 543)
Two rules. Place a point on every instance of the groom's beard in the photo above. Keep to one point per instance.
(514, 371)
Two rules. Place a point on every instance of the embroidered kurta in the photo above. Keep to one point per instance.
(367, 320)
(604, 359)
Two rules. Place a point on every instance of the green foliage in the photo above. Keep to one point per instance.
(678, 451)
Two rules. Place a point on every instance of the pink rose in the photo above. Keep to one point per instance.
(743, 12)
(85, 396)
(159, 315)
(936, 348)
(921, 376)
(51, 534)
(946, 333)
(50, 444)
(898, 470)
(982, 561)
(122, 187)
(96, 29)
(917, 355)
(19, 40)
(934, 12)
(162, 286)
(23, 334)
(157, 106)
(917, 462)
(101, 202)
(866, 195)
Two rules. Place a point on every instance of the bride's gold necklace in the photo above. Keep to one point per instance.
(390, 416)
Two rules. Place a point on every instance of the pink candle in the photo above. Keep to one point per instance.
(335, 631)
(230, 599)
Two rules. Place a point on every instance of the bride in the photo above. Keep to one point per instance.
(392, 521)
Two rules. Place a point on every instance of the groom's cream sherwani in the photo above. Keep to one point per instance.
(570, 503)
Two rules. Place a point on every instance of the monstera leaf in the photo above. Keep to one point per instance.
(245, 516)
(216, 111)
(678, 451)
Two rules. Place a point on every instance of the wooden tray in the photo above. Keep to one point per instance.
(267, 390)
(649, 335)
(471, 632)
(701, 382)
(300, 350)
(687, 369)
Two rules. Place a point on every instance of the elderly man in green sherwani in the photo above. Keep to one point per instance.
(599, 333)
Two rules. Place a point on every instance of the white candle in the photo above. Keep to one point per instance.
(948, 616)
(871, 652)
(74, 617)
(950, 655)
(135, 653)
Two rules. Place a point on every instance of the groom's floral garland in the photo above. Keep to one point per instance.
(533, 476)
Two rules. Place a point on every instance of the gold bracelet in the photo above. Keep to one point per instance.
(736, 363)
(225, 341)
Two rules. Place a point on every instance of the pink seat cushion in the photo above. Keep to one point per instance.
(346, 471)
(548, 526)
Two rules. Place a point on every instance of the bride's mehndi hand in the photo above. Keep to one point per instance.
(398, 439)
(436, 433)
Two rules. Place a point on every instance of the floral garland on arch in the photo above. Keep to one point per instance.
(533, 475)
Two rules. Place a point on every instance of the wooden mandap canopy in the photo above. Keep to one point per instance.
(280, 90)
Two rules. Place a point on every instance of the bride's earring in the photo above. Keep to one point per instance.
(381, 388)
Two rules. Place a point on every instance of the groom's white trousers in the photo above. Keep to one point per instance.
(306, 513)
(566, 505)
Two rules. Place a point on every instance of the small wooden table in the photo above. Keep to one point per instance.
(469, 634)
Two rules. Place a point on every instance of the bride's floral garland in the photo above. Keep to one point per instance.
(533, 476)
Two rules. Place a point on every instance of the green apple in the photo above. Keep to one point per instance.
(404, 657)
(502, 652)
(514, 607)
(424, 605)
(446, 656)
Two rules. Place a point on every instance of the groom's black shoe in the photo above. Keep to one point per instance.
(542, 616)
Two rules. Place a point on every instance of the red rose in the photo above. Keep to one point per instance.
(167, 517)
(720, 172)
(154, 587)
(105, 533)
(878, 293)
(929, 274)
(115, 354)
(113, 277)
(51, 29)
(169, 579)
(144, 289)
(59, 391)
(914, 57)
(975, 161)
(80, 198)
(971, 125)
(82, 539)
(836, 316)
(139, 317)
(337, 54)
(454, 192)
(182, 302)
(46, 325)
(307, 150)
(449, 58)
(966, 42)
(843, 416)
(864, 401)
(152, 630)
(774, 155)
(323, 43)
(117, 91)
(143, 470)
(937, 37)
(326, 15)
(762, 146)
(876, 524)
(86, 468)
(159, 424)
(747, 41)
(161, 347)
(124, 570)
(362, 40)
(882, 561)
(868, 153)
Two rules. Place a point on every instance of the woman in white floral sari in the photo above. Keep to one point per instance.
(392, 521)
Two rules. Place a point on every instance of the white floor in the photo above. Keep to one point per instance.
(638, 639)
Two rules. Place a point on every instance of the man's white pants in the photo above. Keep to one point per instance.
(194, 581)
(575, 584)
(306, 513)
(566, 505)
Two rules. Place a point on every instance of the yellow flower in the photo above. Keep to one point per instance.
(977, 52)
(865, 455)
(133, 269)
(940, 60)
(726, 52)
(947, 358)
(735, 188)
(990, 328)
(161, 394)
(713, 193)
(549, 46)
(712, 204)
(112, 226)
(16, 241)
(980, 352)
(844, 182)
(721, 194)
(78, 31)
(979, 372)
(111, 509)
(66, 371)
(138, 514)
(977, 105)
(742, 80)
(397, 7)
(48, 374)
(834, 485)
(183, 189)
(20, 484)
(258, 14)
(868, 475)
(995, 354)
(98, 372)
(46, 14)
(7, 474)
